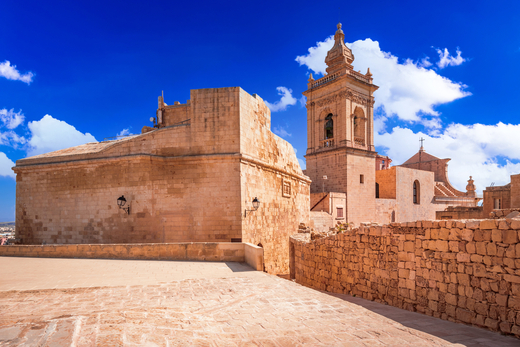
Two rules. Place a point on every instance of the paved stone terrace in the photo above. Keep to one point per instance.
(85, 302)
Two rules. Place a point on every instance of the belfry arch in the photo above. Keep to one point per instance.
(359, 126)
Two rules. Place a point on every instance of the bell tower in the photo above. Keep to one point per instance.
(340, 132)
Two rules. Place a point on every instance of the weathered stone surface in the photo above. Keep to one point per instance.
(191, 182)
(488, 224)
(476, 282)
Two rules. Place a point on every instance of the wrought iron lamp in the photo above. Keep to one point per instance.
(121, 203)
(256, 204)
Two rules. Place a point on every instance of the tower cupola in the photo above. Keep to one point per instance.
(340, 57)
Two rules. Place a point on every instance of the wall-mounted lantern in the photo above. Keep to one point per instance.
(256, 204)
(121, 203)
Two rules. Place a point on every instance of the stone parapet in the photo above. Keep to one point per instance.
(194, 251)
(458, 270)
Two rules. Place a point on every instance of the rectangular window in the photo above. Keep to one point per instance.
(497, 204)
(339, 212)
(361, 178)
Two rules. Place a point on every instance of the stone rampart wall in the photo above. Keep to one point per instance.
(203, 251)
(462, 271)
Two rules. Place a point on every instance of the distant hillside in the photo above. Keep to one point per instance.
(7, 224)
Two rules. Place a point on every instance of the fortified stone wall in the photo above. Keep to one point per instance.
(189, 182)
(270, 172)
(170, 201)
(462, 271)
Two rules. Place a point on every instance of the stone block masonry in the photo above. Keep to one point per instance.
(199, 251)
(461, 271)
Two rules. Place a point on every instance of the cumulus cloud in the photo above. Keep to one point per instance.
(5, 166)
(124, 132)
(489, 153)
(50, 134)
(445, 59)
(11, 119)
(286, 100)
(408, 90)
(11, 73)
(281, 131)
(11, 139)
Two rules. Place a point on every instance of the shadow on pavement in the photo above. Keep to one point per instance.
(457, 333)
(239, 267)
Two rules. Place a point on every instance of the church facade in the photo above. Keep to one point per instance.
(350, 180)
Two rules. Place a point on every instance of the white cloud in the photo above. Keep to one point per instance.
(11, 73)
(286, 100)
(281, 131)
(445, 59)
(12, 139)
(315, 60)
(303, 100)
(50, 134)
(11, 119)
(124, 132)
(425, 62)
(476, 150)
(5, 166)
(407, 90)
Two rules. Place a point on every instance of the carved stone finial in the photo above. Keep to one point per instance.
(311, 78)
(339, 26)
(470, 188)
(368, 73)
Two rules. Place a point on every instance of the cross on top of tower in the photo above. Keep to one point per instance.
(422, 147)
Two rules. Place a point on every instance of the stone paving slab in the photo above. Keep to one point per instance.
(25, 273)
(241, 308)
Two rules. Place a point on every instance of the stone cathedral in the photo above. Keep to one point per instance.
(340, 141)
(350, 181)
(211, 170)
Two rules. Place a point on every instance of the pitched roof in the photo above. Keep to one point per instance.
(420, 156)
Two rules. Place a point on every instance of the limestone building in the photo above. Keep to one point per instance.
(502, 197)
(340, 144)
(191, 178)
(350, 181)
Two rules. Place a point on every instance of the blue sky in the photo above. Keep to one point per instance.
(74, 72)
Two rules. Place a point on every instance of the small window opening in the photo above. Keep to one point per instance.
(361, 178)
(416, 193)
(497, 204)
(339, 212)
(377, 190)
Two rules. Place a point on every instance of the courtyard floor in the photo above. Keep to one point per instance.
(87, 302)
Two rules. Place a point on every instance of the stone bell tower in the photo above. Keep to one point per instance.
(340, 132)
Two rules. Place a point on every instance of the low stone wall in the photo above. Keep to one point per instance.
(497, 214)
(462, 271)
(200, 251)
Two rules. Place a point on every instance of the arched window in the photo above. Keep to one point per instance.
(359, 126)
(416, 192)
(329, 127)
